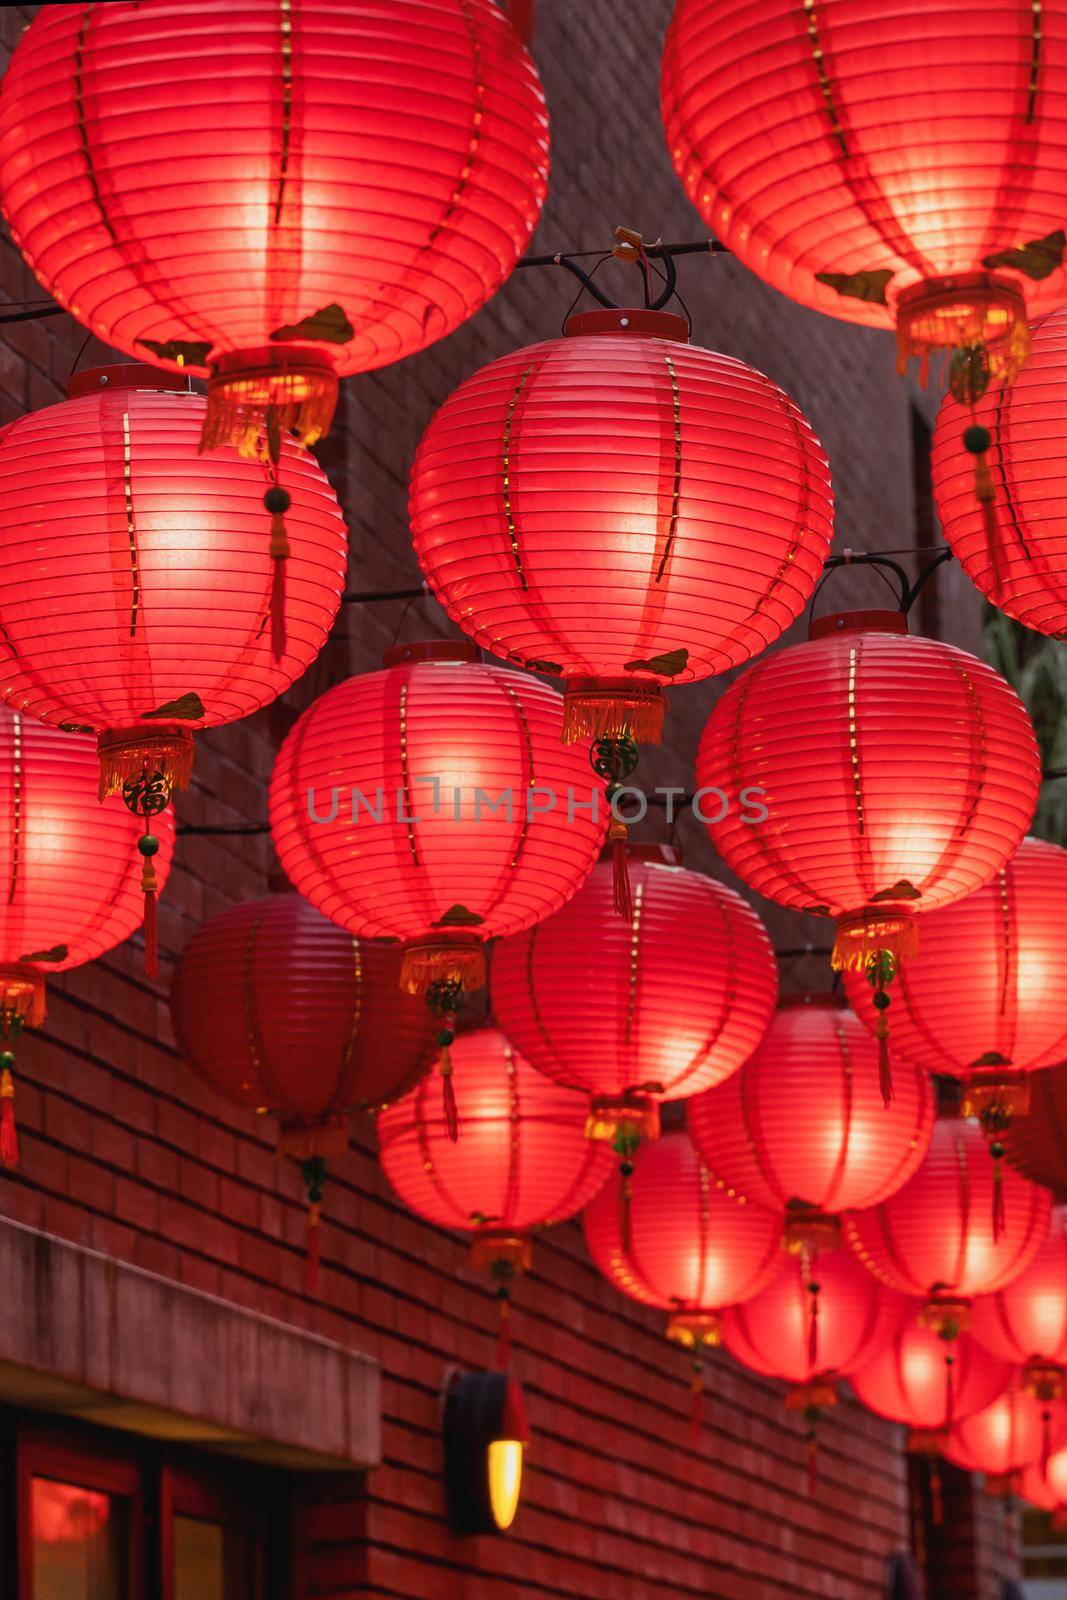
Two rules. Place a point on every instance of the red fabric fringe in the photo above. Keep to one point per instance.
(311, 1265)
(622, 899)
(998, 1199)
(448, 1101)
(151, 935)
(9, 1139)
(277, 607)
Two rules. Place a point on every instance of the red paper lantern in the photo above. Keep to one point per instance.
(664, 1235)
(895, 774)
(523, 1161)
(803, 1127)
(935, 1238)
(281, 1011)
(622, 510)
(1036, 1142)
(69, 895)
(1026, 1320)
(1013, 544)
(135, 578)
(928, 1382)
(273, 196)
(636, 1014)
(1014, 1432)
(1046, 1488)
(981, 999)
(893, 170)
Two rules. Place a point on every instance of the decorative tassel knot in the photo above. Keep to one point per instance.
(314, 1172)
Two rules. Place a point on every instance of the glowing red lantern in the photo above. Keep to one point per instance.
(811, 1332)
(1014, 1432)
(433, 803)
(154, 619)
(65, 865)
(523, 1161)
(891, 170)
(622, 510)
(895, 775)
(1026, 1320)
(1002, 949)
(281, 1011)
(664, 1235)
(1046, 1487)
(803, 1127)
(1036, 1142)
(935, 1239)
(347, 184)
(928, 1382)
(636, 1014)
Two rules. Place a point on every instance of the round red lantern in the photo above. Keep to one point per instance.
(1035, 1143)
(523, 1161)
(896, 774)
(319, 186)
(803, 1127)
(281, 1011)
(1026, 1320)
(935, 1239)
(1014, 1432)
(1046, 1487)
(636, 1014)
(928, 1382)
(623, 510)
(1013, 545)
(153, 619)
(890, 170)
(1002, 949)
(68, 894)
(664, 1235)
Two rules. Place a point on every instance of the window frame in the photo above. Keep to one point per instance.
(202, 1493)
(67, 1456)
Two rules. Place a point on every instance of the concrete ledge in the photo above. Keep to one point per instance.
(85, 1335)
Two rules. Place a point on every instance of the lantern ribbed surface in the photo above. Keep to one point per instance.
(434, 725)
(802, 1126)
(661, 1007)
(69, 865)
(935, 1236)
(1026, 1321)
(898, 774)
(522, 1160)
(858, 157)
(906, 1381)
(772, 1334)
(293, 190)
(279, 1009)
(135, 573)
(677, 1243)
(1012, 1433)
(621, 510)
(1036, 1142)
(1014, 547)
(1046, 1488)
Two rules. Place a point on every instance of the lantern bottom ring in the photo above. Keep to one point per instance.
(970, 309)
(292, 387)
(612, 708)
(129, 754)
(305, 1140)
(695, 1330)
(947, 1317)
(995, 1095)
(500, 1252)
(446, 959)
(862, 936)
(1002, 1484)
(817, 1392)
(1044, 1380)
(806, 1229)
(927, 1441)
(22, 994)
(629, 1117)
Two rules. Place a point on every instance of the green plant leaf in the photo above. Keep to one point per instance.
(328, 325)
(188, 708)
(668, 665)
(869, 286)
(458, 916)
(186, 352)
(1036, 259)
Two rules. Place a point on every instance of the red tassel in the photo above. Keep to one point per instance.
(9, 1139)
(311, 1265)
(277, 596)
(1046, 1440)
(151, 936)
(448, 1098)
(696, 1404)
(620, 872)
(937, 1497)
(885, 1068)
(998, 1198)
(503, 1332)
(277, 501)
(950, 1393)
(813, 1327)
(813, 1462)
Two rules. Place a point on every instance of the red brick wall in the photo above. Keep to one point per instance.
(125, 1151)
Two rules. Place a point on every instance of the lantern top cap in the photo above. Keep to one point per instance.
(431, 650)
(858, 622)
(628, 320)
(126, 375)
(817, 999)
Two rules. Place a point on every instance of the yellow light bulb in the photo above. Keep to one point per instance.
(505, 1480)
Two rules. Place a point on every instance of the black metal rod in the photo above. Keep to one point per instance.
(366, 597)
(32, 316)
(697, 247)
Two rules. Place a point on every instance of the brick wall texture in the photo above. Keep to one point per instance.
(125, 1151)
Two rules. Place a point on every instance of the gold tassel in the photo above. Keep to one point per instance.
(126, 754)
(22, 994)
(300, 390)
(862, 937)
(612, 710)
(430, 963)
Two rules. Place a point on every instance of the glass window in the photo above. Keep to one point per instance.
(211, 1560)
(79, 1542)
